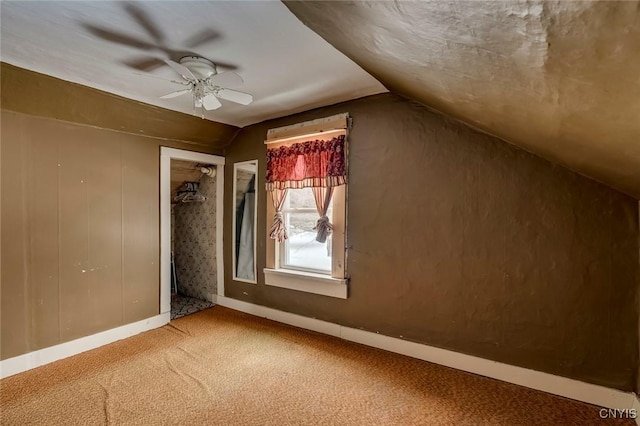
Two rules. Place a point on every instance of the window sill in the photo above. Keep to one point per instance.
(307, 282)
(244, 280)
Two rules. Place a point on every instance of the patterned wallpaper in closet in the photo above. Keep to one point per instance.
(195, 244)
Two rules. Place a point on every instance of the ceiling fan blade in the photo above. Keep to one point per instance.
(235, 96)
(175, 94)
(224, 65)
(145, 22)
(119, 38)
(144, 64)
(200, 38)
(210, 102)
(181, 69)
(226, 79)
(184, 83)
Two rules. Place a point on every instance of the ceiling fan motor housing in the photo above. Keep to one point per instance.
(199, 67)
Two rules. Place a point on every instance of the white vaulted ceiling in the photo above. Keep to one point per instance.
(285, 66)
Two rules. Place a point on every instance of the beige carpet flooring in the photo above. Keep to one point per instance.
(222, 367)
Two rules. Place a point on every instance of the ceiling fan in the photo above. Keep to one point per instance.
(200, 75)
(206, 84)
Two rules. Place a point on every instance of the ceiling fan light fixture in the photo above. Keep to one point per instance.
(200, 67)
(206, 85)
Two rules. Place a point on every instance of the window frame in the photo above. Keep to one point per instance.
(333, 284)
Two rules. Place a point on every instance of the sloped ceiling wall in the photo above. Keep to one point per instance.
(41, 95)
(559, 79)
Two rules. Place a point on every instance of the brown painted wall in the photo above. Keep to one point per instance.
(80, 230)
(45, 96)
(80, 207)
(459, 240)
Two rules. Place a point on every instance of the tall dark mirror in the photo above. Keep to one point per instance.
(244, 221)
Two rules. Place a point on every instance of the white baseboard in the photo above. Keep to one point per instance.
(18, 364)
(568, 388)
(281, 316)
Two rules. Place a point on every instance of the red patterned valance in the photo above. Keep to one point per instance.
(318, 163)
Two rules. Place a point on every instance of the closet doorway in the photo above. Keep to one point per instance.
(191, 195)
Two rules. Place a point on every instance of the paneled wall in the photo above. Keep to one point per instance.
(80, 230)
(80, 206)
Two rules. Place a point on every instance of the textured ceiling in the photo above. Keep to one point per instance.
(559, 79)
(285, 66)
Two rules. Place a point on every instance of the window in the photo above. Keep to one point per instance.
(306, 182)
(301, 251)
(300, 262)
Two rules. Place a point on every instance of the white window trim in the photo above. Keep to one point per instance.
(336, 284)
(307, 282)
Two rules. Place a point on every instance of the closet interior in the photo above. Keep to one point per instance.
(193, 237)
